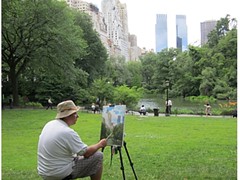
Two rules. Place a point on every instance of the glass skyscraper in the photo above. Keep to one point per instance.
(181, 33)
(161, 32)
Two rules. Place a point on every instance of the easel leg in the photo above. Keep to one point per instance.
(130, 161)
(121, 160)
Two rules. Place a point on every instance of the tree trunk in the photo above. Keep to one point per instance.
(14, 83)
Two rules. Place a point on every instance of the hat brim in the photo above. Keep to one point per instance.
(67, 113)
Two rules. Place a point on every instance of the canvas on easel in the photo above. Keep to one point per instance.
(113, 124)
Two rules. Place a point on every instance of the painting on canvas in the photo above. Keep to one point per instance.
(113, 124)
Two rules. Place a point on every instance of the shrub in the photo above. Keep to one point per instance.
(127, 96)
(201, 99)
(34, 105)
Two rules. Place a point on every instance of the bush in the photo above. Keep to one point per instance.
(222, 96)
(34, 105)
(127, 96)
(201, 99)
(182, 111)
(226, 112)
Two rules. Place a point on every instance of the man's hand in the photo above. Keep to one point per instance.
(93, 148)
(103, 143)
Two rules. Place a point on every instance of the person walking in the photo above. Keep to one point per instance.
(168, 104)
(62, 154)
(49, 103)
(208, 109)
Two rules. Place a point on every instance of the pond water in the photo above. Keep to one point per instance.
(151, 103)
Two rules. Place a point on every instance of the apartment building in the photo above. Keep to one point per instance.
(206, 28)
(111, 24)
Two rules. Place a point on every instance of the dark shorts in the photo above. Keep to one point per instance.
(84, 167)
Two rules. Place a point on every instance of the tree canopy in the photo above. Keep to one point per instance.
(210, 70)
(51, 50)
(42, 44)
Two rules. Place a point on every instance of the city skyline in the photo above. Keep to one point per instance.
(181, 33)
(142, 17)
(161, 32)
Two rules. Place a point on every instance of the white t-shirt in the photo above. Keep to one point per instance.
(169, 102)
(142, 108)
(57, 146)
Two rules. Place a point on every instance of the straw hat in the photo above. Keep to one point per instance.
(66, 108)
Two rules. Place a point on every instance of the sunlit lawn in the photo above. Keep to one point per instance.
(160, 147)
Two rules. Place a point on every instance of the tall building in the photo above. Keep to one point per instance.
(161, 32)
(115, 15)
(206, 28)
(112, 26)
(164, 37)
(96, 16)
(134, 51)
(181, 33)
(124, 19)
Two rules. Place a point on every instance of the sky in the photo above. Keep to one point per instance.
(142, 17)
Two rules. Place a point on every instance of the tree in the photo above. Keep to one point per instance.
(185, 84)
(148, 65)
(135, 76)
(221, 29)
(164, 69)
(208, 81)
(116, 70)
(127, 96)
(223, 57)
(41, 32)
(102, 89)
(92, 62)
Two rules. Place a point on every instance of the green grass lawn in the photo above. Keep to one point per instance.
(161, 148)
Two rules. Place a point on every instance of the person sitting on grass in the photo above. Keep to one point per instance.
(62, 154)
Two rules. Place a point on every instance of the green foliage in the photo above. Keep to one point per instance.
(208, 81)
(148, 64)
(47, 56)
(202, 99)
(127, 96)
(34, 105)
(222, 28)
(135, 77)
(164, 69)
(196, 72)
(103, 90)
(117, 71)
(177, 111)
(49, 49)
(93, 61)
(38, 38)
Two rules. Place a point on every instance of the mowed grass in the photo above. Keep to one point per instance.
(161, 148)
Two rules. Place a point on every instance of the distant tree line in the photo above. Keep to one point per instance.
(51, 50)
(210, 70)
